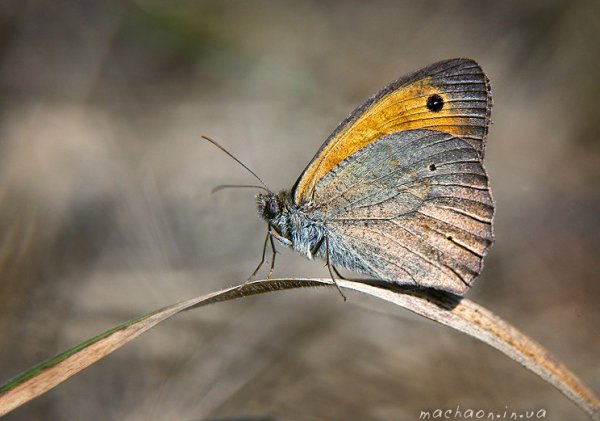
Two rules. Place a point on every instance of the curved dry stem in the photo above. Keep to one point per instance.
(460, 314)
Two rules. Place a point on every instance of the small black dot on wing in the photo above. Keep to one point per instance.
(435, 103)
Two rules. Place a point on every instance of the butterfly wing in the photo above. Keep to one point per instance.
(413, 207)
(451, 96)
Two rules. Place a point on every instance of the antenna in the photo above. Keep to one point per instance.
(214, 142)
(231, 186)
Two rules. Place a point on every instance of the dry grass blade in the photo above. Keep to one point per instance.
(462, 315)
(468, 317)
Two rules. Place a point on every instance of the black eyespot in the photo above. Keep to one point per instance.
(435, 103)
(432, 167)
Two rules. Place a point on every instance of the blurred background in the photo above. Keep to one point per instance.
(105, 211)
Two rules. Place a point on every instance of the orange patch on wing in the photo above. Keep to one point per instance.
(402, 109)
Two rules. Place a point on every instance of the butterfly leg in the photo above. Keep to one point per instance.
(338, 273)
(329, 266)
(316, 247)
(274, 253)
(314, 252)
(262, 259)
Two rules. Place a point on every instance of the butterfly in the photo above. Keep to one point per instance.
(398, 191)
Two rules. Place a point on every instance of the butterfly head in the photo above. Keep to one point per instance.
(271, 206)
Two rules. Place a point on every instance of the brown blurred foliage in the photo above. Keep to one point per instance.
(105, 211)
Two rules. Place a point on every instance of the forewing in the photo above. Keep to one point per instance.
(412, 207)
(405, 104)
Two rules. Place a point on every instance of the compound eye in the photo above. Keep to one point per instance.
(271, 209)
